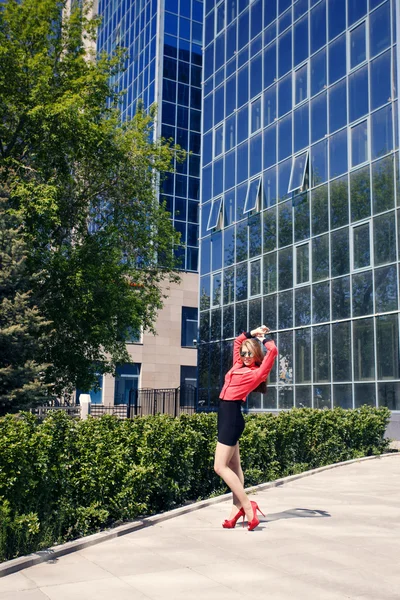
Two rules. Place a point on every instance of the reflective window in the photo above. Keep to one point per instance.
(256, 76)
(301, 128)
(298, 172)
(255, 277)
(216, 289)
(230, 95)
(243, 86)
(301, 209)
(300, 44)
(269, 273)
(303, 396)
(319, 163)
(270, 105)
(381, 132)
(283, 179)
(253, 195)
(256, 115)
(241, 282)
(320, 258)
(216, 251)
(342, 396)
(241, 317)
(302, 306)
(379, 27)
(355, 10)
(389, 394)
(214, 219)
(336, 17)
(382, 185)
(357, 45)
(243, 30)
(318, 117)
(361, 246)
(301, 84)
(300, 7)
(284, 53)
(285, 309)
(338, 153)
(229, 282)
(269, 146)
(380, 87)
(359, 143)
(285, 268)
(220, 17)
(285, 95)
(270, 310)
(269, 64)
(303, 263)
(362, 294)
(230, 169)
(338, 106)
(229, 246)
(285, 223)
(219, 140)
(340, 257)
(242, 166)
(364, 393)
(319, 210)
(360, 194)
(321, 354)
(255, 154)
(341, 352)
(358, 93)
(387, 352)
(228, 328)
(242, 124)
(385, 289)
(364, 349)
(303, 356)
(318, 72)
(384, 239)
(269, 188)
(230, 133)
(337, 59)
(321, 302)
(285, 137)
(241, 241)
(340, 298)
(318, 26)
(339, 202)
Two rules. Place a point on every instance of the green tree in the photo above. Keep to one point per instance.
(22, 328)
(84, 185)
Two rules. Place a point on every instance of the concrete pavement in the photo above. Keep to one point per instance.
(329, 536)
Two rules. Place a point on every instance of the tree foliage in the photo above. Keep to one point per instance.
(84, 186)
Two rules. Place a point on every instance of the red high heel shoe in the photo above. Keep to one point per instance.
(230, 523)
(254, 522)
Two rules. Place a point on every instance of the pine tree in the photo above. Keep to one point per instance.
(22, 328)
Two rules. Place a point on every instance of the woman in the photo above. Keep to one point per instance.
(250, 371)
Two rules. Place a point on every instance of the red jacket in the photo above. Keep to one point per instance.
(241, 380)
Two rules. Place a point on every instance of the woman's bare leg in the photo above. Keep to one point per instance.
(236, 467)
(223, 458)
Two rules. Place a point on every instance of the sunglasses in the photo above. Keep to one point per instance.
(249, 354)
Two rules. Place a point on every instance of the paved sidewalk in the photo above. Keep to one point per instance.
(330, 536)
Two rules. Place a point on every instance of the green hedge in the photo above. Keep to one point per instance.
(64, 478)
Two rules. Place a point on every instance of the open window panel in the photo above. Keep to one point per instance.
(215, 218)
(253, 198)
(299, 175)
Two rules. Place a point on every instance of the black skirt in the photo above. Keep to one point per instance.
(230, 422)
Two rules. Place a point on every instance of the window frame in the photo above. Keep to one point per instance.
(256, 207)
(353, 268)
(364, 20)
(219, 127)
(189, 320)
(250, 262)
(298, 68)
(309, 280)
(215, 223)
(292, 189)
(352, 167)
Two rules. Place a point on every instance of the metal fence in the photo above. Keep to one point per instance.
(147, 401)
(43, 411)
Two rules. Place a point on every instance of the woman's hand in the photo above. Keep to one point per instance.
(260, 331)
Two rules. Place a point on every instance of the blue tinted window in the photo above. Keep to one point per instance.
(256, 18)
(355, 10)
(379, 23)
(269, 65)
(170, 45)
(357, 45)
(338, 106)
(219, 51)
(285, 95)
(230, 97)
(285, 53)
(231, 40)
(269, 146)
(300, 8)
(206, 183)
(255, 154)
(195, 118)
(209, 29)
(242, 124)
(318, 26)
(319, 163)
(171, 24)
(338, 153)
(230, 132)
(243, 86)
(318, 117)
(285, 21)
(242, 163)
(205, 259)
(170, 68)
(218, 177)
(184, 28)
(219, 104)
(168, 113)
(197, 14)
(358, 94)
(209, 61)
(243, 30)
(269, 190)
(336, 17)
(270, 34)
(169, 90)
(300, 41)
(243, 57)
(284, 171)
(337, 59)
(194, 145)
(241, 194)
(283, 5)
(318, 72)
(183, 117)
(171, 5)
(285, 137)
(216, 251)
(380, 80)
(269, 12)
(229, 170)
(382, 132)
(270, 105)
(183, 94)
(256, 76)
(301, 128)
(359, 143)
(256, 45)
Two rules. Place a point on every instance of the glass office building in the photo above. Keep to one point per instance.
(163, 39)
(300, 198)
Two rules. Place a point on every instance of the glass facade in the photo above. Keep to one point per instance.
(300, 206)
(163, 39)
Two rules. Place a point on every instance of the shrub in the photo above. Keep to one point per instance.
(65, 478)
